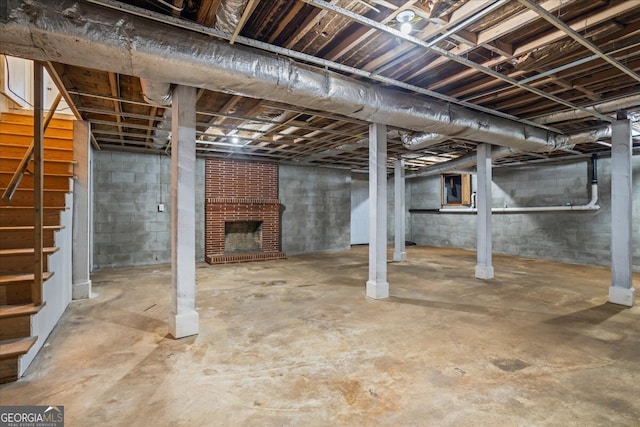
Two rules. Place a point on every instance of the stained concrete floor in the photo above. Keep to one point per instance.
(295, 342)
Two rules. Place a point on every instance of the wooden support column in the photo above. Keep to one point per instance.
(184, 320)
(38, 180)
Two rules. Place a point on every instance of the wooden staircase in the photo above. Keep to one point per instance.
(17, 289)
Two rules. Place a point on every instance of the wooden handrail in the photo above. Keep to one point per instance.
(37, 148)
(22, 167)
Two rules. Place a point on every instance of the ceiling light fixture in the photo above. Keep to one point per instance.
(405, 17)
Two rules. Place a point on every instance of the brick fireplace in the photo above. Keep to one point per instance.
(242, 211)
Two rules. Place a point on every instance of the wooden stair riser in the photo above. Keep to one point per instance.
(13, 132)
(9, 151)
(15, 293)
(10, 351)
(24, 239)
(58, 167)
(53, 138)
(15, 327)
(51, 182)
(16, 217)
(25, 198)
(8, 370)
(27, 120)
(17, 264)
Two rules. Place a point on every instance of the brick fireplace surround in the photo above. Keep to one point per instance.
(237, 191)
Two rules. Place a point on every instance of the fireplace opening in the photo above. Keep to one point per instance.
(242, 237)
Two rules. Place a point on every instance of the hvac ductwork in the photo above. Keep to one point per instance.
(159, 94)
(469, 160)
(156, 93)
(463, 162)
(603, 108)
(228, 15)
(417, 141)
(87, 35)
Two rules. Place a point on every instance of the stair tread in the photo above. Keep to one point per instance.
(28, 251)
(11, 172)
(52, 190)
(10, 278)
(29, 227)
(65, 149)
(59, 208)
(45, 159)
(17, 310)
(16, 347)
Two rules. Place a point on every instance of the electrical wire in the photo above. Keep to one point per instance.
(8, 85)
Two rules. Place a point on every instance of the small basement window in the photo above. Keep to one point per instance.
(456, 189)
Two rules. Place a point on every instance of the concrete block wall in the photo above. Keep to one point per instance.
(316, 203)
(582, 238)
(128, 229)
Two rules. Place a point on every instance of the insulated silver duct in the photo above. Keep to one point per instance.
(463, 162)
(632, 101)
(469, 160)
(591, 136)
(156, 93)
(228, 15)
(159, 94)
(416, 141)
(87, 35)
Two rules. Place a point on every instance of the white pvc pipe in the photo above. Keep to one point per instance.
(591, 206)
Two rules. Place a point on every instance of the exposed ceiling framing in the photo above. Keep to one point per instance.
(566, 65)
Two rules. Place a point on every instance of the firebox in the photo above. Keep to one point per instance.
(241, 237)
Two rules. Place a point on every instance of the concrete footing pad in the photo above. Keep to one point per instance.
(377, 290)
(184, 325)
(622, 296)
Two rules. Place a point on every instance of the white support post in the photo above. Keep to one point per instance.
(81, 211)
(184, 319)
(38, 181)
(399, 251)
(484, 267)
(377, 285)
(621, 290)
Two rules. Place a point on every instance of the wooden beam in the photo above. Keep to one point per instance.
(179, 5)
(153, 113)
(248, 10)
(464, 12)
(311, 21)
(207, 12)
(491, 34)
(285, 22)
(115, 92)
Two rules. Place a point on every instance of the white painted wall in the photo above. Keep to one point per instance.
(56, 291)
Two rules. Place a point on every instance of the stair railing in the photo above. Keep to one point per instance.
(24, 163)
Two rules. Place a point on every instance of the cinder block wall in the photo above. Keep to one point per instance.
(128, 229)
(582, 238)
(317, 209)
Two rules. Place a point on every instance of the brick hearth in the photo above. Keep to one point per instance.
(241, 191)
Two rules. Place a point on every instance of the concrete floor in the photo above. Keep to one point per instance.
(295, 342)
